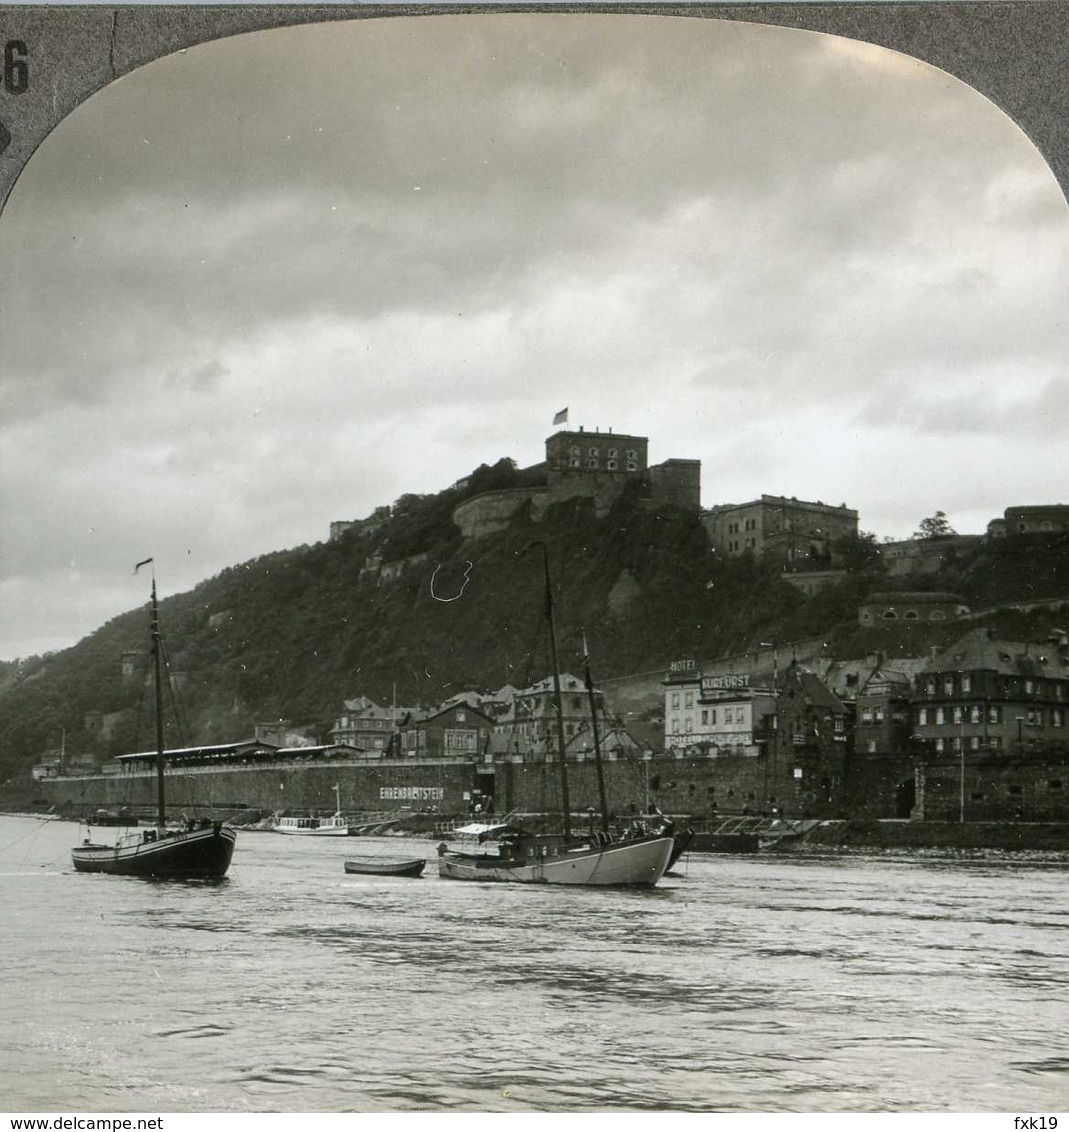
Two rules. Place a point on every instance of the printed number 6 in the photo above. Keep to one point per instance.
(16, 69)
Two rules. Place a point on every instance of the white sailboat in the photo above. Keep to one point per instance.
(503, 852)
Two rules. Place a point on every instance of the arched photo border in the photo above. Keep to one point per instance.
(1015, 53)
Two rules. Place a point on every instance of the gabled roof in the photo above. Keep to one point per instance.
(568, 683)
(885, 677)
(979, 650)
(816, 692)
(363, 706)
(452, 706)
(611, 739)
(852, 676)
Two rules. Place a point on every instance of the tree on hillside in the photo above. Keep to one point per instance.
(859, 552)
(494, 477)
(935, 526)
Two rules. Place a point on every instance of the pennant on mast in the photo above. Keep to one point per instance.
(561, 417)
(140, 564)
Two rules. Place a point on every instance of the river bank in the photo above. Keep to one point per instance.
(1009, 836)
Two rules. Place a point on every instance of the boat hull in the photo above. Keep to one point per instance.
(330, 831)
(184, 855)
(629, 864)
(387, 867)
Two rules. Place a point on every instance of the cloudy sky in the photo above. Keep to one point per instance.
(282, 279)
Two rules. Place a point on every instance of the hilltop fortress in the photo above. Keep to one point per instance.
(806, 537)
(590, 465)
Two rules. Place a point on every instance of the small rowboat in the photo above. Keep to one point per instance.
(386, 866)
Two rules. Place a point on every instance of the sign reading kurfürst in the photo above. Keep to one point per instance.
(725, 683)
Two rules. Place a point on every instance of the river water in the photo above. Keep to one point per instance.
(746, 984)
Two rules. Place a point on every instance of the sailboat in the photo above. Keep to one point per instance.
(198, 850)
(503, 852)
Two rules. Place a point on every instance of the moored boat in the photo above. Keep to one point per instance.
(204, 851)
(334, 826)
(310, 826)
(502, 852)
(195, 850)
(505, 853)
(386, 866)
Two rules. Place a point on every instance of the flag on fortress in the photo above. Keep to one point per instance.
(561, 417)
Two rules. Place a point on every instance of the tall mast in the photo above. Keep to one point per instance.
(597, 741)
(565, 803)
(157, 659)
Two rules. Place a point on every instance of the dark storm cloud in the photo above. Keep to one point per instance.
(339, 238)
(232, 185)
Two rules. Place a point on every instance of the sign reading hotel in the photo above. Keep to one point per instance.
(411, 793)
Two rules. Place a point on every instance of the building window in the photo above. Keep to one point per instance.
(688, 700)
(729, 715)
(974, 714)
(461, 740)
(614, 452)
(948, 685)
(705, 718)
(1035, 717)
(966, 682)
(940, 745)
(959, 714)
(576, 462)
(994, 713)
(866, 715)
(931, 687)
(1029, 687)
(940, 715)
(712, 716)
(632, 454)
(592, 462)
(687, 725)
(675, 699)
(1057, 717)
(879, 714)
(839, 724)
(922, 717)
(611, 465)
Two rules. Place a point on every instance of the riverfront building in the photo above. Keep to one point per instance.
(992, 695)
